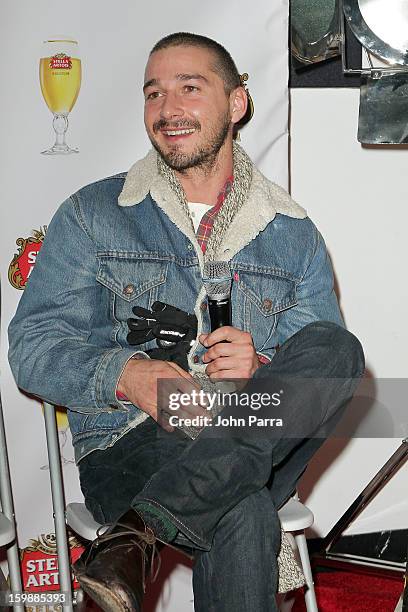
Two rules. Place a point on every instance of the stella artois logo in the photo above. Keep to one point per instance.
(23, 262)
(60, 60)
(39, 563)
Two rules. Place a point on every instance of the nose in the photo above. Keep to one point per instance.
(171, 106)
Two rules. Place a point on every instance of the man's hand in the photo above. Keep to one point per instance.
(138, 383)
(235, 358)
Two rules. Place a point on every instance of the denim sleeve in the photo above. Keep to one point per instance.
(316, 299)
(50, 352)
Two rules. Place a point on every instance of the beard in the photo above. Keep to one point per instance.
(205, 154)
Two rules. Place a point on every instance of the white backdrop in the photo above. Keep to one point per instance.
(107, 125)
(357, 196)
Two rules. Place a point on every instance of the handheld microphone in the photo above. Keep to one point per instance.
(217, 282)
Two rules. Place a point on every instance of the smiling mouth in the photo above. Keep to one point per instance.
(182, 132)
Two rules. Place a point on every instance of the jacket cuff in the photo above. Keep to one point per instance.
(263, 359)
(108, 373)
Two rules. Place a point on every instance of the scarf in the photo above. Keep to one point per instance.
(237, 195)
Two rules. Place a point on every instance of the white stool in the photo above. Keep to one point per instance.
(81, 521)
(7, 531)
(295, 517)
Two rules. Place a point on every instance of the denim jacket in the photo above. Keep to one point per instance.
(125, 240)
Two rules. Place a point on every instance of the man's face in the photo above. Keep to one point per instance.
(187, 111)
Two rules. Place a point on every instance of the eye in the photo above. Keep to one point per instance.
(153, 95)
(190, 88)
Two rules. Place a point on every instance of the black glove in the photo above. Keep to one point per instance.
(173, 329)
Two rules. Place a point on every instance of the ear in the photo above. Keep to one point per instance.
(238, 104)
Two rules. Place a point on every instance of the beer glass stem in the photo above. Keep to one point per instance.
(60, 147)
(60, 125)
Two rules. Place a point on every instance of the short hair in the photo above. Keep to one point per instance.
(224, 64)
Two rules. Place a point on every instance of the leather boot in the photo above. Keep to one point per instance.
(112, 569)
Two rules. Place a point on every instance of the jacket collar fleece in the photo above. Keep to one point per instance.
(265, 200)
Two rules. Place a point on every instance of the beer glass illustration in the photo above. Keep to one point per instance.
(60, 78)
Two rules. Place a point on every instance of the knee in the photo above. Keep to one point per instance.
(253, 520)
(341, 346)
(350, 348)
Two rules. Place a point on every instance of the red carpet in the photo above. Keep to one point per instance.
(347, 592)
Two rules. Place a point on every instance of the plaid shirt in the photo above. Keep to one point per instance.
(207, 221)
(204, 232)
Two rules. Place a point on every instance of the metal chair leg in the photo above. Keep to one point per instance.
(58, 502)
(13, 557)
(310, 595)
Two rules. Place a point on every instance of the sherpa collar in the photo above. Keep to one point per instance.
(265, 200)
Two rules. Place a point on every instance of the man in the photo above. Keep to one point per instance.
(130, 240)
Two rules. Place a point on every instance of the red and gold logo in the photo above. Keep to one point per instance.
(39, 563)
(60, 60)
(23, 262)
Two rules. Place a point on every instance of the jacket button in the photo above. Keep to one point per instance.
(196, 359)
(203, 306)
(129, 289)
(190, 247)
(267, 304)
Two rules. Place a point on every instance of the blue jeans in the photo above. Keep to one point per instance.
(223, 494)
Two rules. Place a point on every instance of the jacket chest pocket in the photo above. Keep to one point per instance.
(260, 298)
(130, 283)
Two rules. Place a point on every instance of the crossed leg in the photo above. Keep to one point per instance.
(213, 491)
